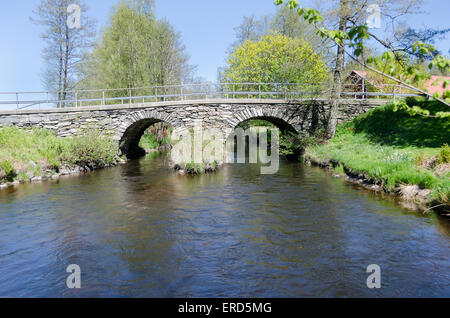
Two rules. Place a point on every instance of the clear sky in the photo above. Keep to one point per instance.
(206, 27)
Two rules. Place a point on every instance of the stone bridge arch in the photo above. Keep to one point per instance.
(283, 118)
(133, 126)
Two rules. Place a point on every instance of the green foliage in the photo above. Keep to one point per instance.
(399, 65)
(35, 152)
(391, 62)
(255, 123)
(194, 168)
(290, 144)
(91, 150)
(149, 141)
(136, 50)
(339, 169)
(198, 168)
(156, 136)
(293, 145)
(7, 172)
(274, 59)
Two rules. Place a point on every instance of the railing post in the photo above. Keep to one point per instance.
(103, 98)
(182, 96)
(76, 99)
(17, 100)
(259, 90)
(130, 95)
(234, 92)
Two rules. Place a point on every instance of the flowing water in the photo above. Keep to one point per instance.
(142, 230)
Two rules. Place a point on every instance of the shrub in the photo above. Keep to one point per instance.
(92, 150)
(7, 172)
(293, 145)
(195, 168)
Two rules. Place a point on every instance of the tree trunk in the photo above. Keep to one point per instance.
(337, 84)
(66, 63)
(60, 37)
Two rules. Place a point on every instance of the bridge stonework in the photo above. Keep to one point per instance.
(127, 123)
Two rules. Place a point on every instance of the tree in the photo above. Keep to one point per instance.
(340, 62)
(65, 43)
(136, 50)
(407, 37)
(251, 29)
(352, 15)
(285, 22)
(274, 59)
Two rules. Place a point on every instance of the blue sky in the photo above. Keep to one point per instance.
(206, 27)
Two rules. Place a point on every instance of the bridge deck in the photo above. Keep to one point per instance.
(373, 102)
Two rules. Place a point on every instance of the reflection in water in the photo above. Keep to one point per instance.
(142, 230)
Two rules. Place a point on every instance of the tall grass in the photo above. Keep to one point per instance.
(27, 153)
(149, 141)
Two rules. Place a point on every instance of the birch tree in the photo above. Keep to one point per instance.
(67, 32)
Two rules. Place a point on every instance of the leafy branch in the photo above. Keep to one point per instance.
(357, 34)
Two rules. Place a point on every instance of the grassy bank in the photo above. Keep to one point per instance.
(25, 154)
(150, 142)
(392, 148)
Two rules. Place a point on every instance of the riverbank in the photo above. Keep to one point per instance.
(37, 154)
(388, 150)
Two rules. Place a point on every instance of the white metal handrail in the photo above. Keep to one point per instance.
(103, 97)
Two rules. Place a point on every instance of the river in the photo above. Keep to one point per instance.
(141, 230)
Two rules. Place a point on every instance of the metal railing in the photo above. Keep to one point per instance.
(105, 97)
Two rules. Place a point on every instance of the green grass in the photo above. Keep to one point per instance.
(35, 152)
(150, 141)
(444, 154)
(390, 147)
(197, 168)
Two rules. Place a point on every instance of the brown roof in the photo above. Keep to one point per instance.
(372, 80)
(433, 85)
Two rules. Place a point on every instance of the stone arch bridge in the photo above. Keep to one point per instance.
(127, 123)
